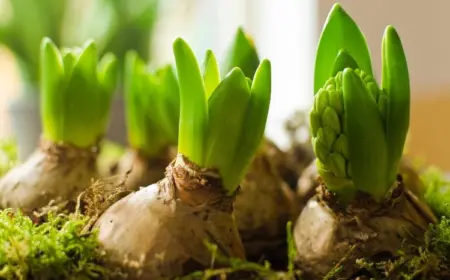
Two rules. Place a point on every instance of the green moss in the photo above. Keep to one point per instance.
(430, 261)
(437, 193)
(56, 249)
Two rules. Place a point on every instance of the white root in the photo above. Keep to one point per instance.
(160, 230)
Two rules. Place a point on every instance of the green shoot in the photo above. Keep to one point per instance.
(76, 93)
(227, 107)
(152, 106)
(339, 32)
(241, 53)
(193, 104)
(211, 73)
(231, 124)
(395, 82)
(359, 129)
(254, 122)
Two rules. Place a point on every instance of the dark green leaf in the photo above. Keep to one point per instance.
(395, 83)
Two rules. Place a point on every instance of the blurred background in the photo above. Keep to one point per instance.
(285, 31)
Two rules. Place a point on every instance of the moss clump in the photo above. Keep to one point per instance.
(56, 249)
(437, 193)
(429, 261)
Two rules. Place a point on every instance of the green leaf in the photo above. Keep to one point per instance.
(107, 78)
(149, 104)
(88, 59)
(211, 74)
(172, 103)
(241, 53)
(139, 133)
(227, 106)
(254, 122)
(193, 106)
(339, 32)
(366, 138)
(75, 106)
(107, 72)
(52, 87)
(166, 105)
(69, 60)
(343, 60)
(395, 83)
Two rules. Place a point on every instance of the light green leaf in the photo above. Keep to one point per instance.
(339, 32)
(227, 107)
(343, 60)
(242, 53)
(88, 59)
(167, 103)
(107, 72)
(211, 74)
(193, 106)
(254, 122)
(52, 87)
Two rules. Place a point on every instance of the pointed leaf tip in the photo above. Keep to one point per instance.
(211, 73)
(336, 8)
(390, 30)
(340, 31)
(241, 53)
(263, 76)
(179, 45)
(46, 41)
(89, 44)
(236, 75)
(343, 60)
